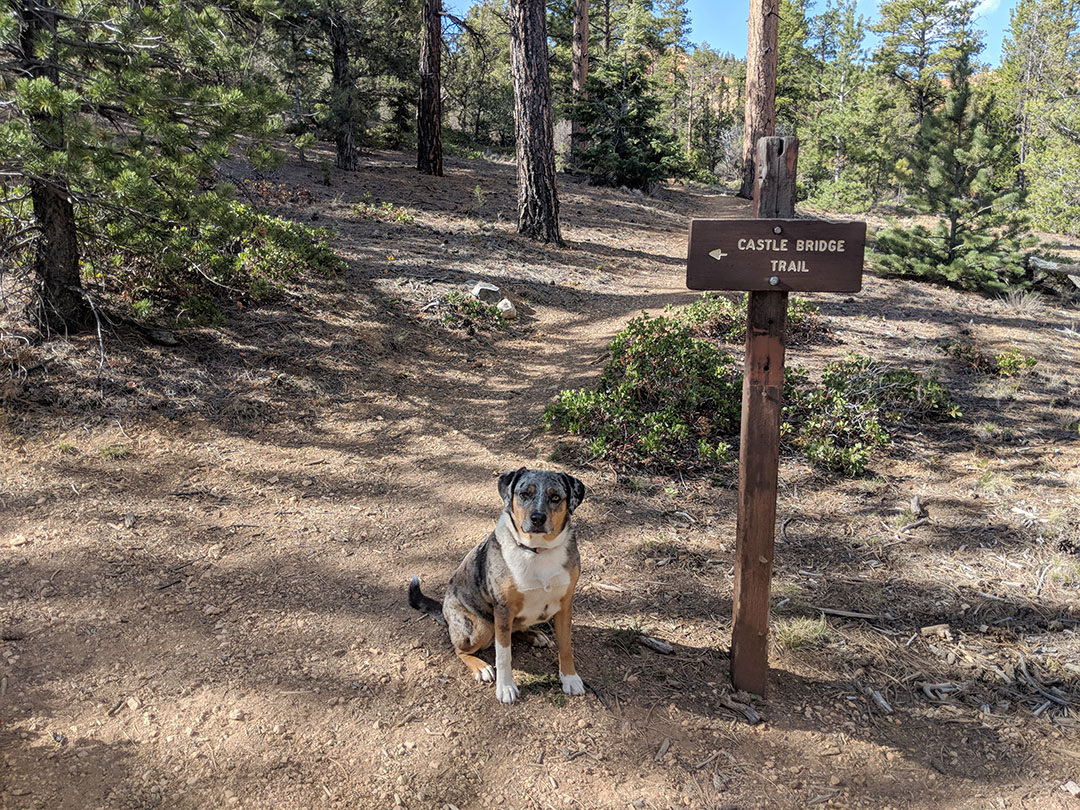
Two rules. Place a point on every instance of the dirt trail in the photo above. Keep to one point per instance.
(203, 556)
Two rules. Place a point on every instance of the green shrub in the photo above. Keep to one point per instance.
(1006, 364)
(460, 311)
(200, 310)
(839, 425)
(241, 251)
(1012, 362)
(384, 211)
(723, 318)
(670, 400)
(665, 400)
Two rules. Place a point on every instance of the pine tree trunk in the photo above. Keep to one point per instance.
(690, 111)
(761, 56)
(579, 72)
(429, 113)
(538, 200)
(342, 95)
(58, 305)
(607, 27)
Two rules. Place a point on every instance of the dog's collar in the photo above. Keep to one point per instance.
(506, 521)
(533, 549)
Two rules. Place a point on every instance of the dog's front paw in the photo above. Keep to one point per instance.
(486, 675)
(572, 684)
(506, 692)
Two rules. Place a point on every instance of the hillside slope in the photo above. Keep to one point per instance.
(204, 549)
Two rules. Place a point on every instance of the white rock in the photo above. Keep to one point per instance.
(507, 308)
(485, 292)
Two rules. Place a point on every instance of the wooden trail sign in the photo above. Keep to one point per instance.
(747, 255)
(798, 255)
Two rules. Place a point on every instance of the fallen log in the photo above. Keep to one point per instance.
(1070, 271)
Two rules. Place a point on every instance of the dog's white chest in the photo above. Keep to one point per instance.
(540, 604)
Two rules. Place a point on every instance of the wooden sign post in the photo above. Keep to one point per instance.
(766, 256)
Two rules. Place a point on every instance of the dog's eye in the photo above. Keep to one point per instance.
(528, 492)
(555, 499)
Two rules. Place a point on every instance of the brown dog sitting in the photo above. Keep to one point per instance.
(524, 573)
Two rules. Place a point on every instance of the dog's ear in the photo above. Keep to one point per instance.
(576, 491)
(506, 484)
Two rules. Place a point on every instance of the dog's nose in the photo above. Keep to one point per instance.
(538, 518)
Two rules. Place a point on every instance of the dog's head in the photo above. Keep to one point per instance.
(540, 502)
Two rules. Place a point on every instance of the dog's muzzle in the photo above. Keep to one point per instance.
(536, 524)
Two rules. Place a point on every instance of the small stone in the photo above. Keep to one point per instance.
(834, 780)
(237, 714)
(129, 520)
(508, 310)
(215, 551)
(133, 703)
(1072, 788)
(213, 610)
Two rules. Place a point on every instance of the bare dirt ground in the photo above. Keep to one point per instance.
(204, 549)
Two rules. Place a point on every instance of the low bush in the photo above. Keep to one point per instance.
(839, 424)
(665, 400)
(670, 400)
(461, 311)
(724, 318)
(242, 252)
(1008, 363)
(384, 211)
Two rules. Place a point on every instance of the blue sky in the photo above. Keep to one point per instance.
(722, 23)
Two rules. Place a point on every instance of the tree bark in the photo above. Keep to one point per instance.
(761, 56)
(607, 27)
(579, 73)
(538, 200)
(429, 112)
(58, 304)
(342, 95)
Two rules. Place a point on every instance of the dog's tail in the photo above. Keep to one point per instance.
(425, 604)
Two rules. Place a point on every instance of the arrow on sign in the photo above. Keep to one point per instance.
(718, 254)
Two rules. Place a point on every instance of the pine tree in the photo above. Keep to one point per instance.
(480, 95)
(429, 111)
(794, 66)
(848, 133)
(1038, 82)
(628, 143)
(534, 137)
(917, 49)
(115, 117)
(759, 119)
(976, 243)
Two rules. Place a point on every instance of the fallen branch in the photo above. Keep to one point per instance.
(752, 717)
(1038, 687)
(1070, 271)
(656, 645)
(849, 614)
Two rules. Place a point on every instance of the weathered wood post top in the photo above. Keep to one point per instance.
(767, 256)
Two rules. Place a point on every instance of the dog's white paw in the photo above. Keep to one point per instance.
(486, 675)
(541, 640)
(572, 684)
(506, 692)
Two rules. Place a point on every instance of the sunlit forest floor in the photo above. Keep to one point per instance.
(204, 549)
